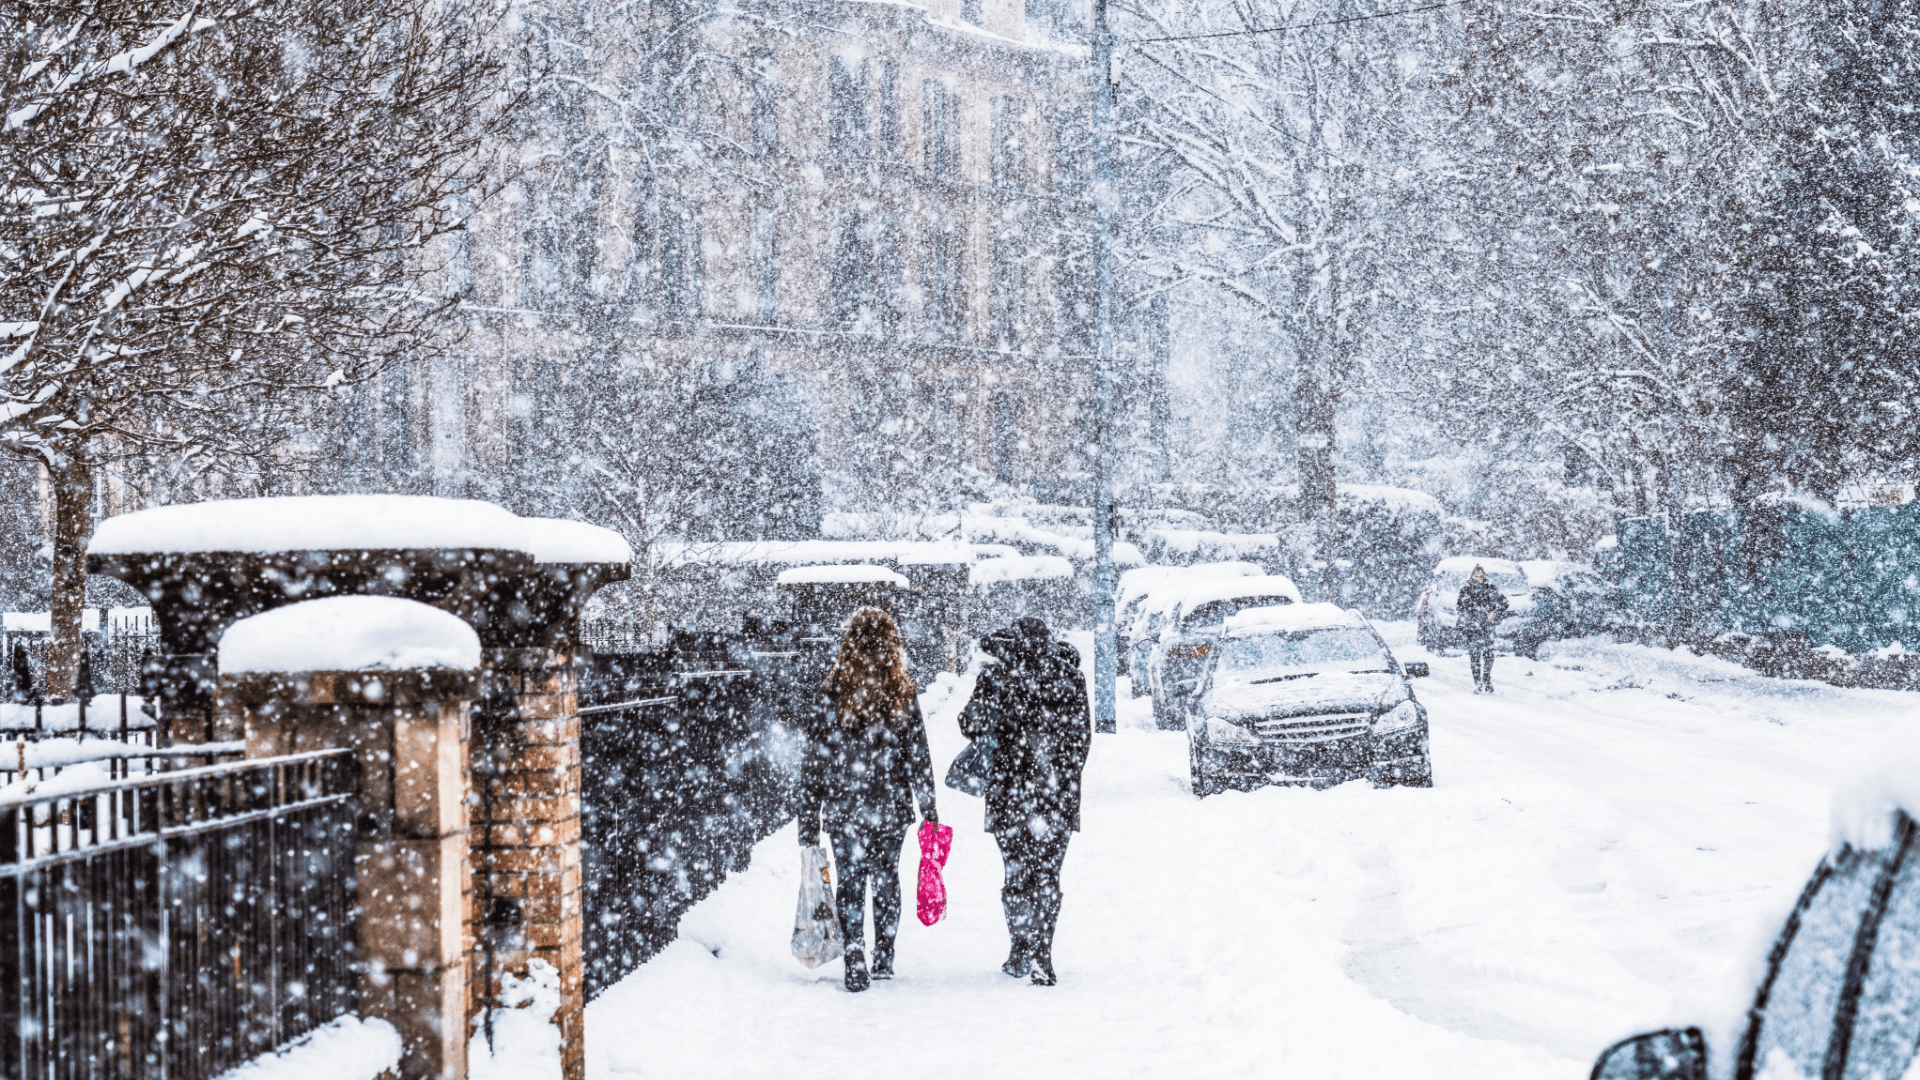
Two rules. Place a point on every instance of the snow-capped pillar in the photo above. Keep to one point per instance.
(392, 680)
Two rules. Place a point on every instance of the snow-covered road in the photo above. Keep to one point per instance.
(1609, 840)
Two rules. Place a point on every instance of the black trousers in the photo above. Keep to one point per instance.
(862, 859)
(1031, 894)
(1481, 656)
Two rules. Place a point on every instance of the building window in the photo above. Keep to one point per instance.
(889, 127)
(1072, 150)
(940, 109)
(766, 122)
(766, 264)
(449, 418)
(1006, 435)
(847, 107)
(940, 283)
(854, 301)
(1008, 137)
(680, 277)
(1006, 290)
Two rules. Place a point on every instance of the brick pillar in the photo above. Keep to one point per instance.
(410, 732)
(528, 894)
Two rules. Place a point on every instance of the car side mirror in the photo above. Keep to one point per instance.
(1417, 669)
(1668, 1054)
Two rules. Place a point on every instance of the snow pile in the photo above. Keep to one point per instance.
(1886, 779)
(841, 574)
(1396, 498)
(1019, 568)
(353, 523)
(349, 633)
(348, 1048)
(1206, 543)
(526, 1044)
(87, 774)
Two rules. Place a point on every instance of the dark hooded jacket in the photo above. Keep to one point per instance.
(1477, 600)
(1032, 700)
(864, 782)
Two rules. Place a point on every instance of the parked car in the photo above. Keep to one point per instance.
(1841, 994)
(1571, 599)
(1189, 629)
(1146, 596)
(1437, 620)
(1305, 694)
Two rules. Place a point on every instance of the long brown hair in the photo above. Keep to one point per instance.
(869, 679)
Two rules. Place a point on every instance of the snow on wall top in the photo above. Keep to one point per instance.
(1464, 564)
(1398, 498)
(1267, 620)
(1194, 541)
(841, 574)
(1019, 568)
(554, 540)
(805, 552)
(349, 633)
(352, 522)
(1206, 592)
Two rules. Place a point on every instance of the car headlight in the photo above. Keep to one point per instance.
(1221, 732)
(1399, 718)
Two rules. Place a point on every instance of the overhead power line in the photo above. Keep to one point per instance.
(1300, 26)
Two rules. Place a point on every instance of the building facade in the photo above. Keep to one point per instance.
(872, 219)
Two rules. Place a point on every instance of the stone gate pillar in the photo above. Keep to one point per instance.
(390, 680)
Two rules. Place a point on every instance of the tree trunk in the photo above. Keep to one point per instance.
(1316, 438)
(72, 529)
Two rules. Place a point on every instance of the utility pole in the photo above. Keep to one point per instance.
(1105, 641)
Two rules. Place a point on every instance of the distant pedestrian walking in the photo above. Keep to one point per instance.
(1481, 605)
(1032, 703)
(866, 766)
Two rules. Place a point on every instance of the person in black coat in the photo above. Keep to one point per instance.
(866, 766)
(1480, 605)
(1032, 702)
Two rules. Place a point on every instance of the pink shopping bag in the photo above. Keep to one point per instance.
(935, 842)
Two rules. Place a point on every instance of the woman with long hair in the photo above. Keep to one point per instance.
(867, 765)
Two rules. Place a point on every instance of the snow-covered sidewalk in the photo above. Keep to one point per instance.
(1610, 839)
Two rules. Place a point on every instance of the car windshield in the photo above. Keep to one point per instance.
(1272, 657)
(1506, 581)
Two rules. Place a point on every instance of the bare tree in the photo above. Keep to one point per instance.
(209, 212)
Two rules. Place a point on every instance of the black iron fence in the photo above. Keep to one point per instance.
(177, 925)
(689, 758)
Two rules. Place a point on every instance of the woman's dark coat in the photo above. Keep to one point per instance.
(864, 782)
(1477, 600)
(1032, 701)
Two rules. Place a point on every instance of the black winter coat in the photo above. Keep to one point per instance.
(1033, 701)
(863, 783)
(1479, 599)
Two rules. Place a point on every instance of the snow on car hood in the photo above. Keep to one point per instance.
(1327, 690)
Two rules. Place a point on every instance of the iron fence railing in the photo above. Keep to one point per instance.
(689, 758)
(177, 925)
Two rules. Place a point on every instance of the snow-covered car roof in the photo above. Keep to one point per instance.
(1548, 573)
(1464, 564)
(841, 574)
(1206, 592)
(1147, 580)
(1287, 618)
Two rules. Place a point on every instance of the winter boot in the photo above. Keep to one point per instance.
(882, 957)
(856, 979)
(1046, 914)
(1020, 928)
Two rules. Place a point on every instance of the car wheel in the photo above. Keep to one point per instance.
(1164, 715)
(1204, 782)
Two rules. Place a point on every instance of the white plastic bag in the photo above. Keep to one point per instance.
(816, 924)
